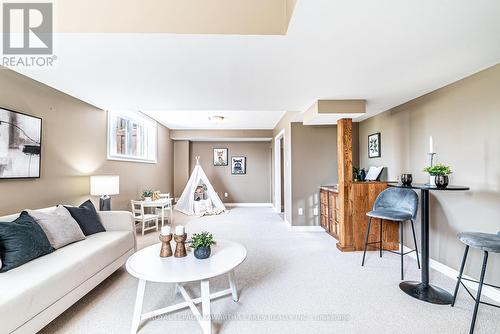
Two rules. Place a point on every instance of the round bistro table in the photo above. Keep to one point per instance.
(148, 266)
(424, 290)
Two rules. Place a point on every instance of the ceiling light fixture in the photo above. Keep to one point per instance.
(216, 119)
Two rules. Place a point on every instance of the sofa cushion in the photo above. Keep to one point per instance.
(86, 216)
(38, 284)
(59, 226)
(21, 241)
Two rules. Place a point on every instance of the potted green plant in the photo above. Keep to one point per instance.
(147, 195)
(439, 175)
(201, 243)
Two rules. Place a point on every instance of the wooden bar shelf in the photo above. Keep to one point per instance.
(329, 210)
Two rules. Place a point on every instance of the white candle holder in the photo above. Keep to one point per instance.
(432, 178)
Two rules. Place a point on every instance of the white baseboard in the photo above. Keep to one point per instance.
(306, 228)
(250, 205)
(487, 291)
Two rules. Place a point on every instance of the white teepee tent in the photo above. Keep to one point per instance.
(209, 206)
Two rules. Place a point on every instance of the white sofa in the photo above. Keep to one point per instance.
(35, 293)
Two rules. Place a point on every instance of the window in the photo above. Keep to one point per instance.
(131, 137)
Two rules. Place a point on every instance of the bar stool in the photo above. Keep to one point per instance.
(487, 243)
(398, 205)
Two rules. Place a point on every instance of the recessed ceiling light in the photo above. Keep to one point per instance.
(216, 119)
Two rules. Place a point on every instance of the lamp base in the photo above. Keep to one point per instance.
(105, 203)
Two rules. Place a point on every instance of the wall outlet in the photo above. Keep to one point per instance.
(225, 195)
(315, 211)
(301, 211)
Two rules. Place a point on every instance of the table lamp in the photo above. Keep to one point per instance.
(104, 186)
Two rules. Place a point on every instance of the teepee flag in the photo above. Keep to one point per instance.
(186, 203)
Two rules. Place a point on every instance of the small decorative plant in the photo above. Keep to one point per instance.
(147, 193)
(438, 170)
(355, 173)
(201, 243)
(202, 240)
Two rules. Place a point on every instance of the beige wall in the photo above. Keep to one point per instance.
(181, 166)
(464, 120)
(314, 163)
(253, 187)
(73, 147)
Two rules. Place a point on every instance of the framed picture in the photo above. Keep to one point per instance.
(20, 145)
(374, 148)
(220, 156)
(238, 165)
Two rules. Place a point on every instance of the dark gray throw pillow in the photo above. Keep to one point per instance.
(86, 216)
(22, 241)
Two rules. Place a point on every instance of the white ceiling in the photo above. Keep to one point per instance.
(199, 119)
(386, 52)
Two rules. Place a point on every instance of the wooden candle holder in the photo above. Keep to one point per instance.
(180, 246)
(166, 249)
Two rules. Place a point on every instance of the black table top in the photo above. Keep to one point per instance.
(427, 186)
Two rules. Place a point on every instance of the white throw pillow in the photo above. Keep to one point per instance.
(59, 226)
(200, 207)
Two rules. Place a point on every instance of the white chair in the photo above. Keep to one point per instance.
(143, 218)
(168, 209)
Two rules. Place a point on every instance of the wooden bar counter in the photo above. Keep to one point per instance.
(351, 233)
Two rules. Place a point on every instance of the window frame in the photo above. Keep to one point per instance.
(137, 117)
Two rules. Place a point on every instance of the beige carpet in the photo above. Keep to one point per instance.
(291, 282)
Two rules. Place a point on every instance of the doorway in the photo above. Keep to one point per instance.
(279, 172)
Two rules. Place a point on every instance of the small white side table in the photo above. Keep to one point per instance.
(147, 265)
(162, 204)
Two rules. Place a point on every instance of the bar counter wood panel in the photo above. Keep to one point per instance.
(362, 195)
(361, 199)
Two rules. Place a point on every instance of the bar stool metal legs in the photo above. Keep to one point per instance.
(462, 266)
(366, 239)
(380, 243)
(381, 238)
(415, 241)
(477, 299)
(401, 242)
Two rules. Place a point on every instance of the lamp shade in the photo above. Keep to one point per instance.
(101, 185)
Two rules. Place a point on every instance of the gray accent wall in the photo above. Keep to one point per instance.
(464, 120)
(252, 187)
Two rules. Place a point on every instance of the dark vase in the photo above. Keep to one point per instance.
(362, 174)
(406, 179)
(202, 253)
(442, 181)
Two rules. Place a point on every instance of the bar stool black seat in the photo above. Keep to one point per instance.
(398, 205)
(487, 243)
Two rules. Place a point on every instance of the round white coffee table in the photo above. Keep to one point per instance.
(147, 265)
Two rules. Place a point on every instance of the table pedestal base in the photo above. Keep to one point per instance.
(426, 292)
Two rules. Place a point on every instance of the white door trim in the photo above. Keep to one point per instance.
(277, 170)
